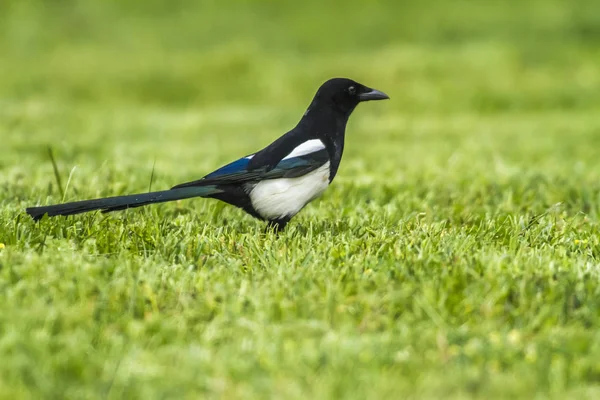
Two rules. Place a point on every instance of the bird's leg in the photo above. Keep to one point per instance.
(277, 225)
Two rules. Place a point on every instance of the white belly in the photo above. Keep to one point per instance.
(285, 197)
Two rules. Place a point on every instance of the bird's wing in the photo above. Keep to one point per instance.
(299, 162)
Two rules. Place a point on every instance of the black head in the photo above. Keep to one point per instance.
(345, 94)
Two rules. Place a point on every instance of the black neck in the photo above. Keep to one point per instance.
(329, 125)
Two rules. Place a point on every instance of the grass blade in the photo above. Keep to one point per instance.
(56, 173)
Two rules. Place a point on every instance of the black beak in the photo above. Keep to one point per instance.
(373, 94)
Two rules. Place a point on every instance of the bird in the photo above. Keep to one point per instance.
(273, 184)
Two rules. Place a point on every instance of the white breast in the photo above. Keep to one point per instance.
(285, 197)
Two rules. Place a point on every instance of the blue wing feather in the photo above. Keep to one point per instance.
(231, 168)
(238, 171)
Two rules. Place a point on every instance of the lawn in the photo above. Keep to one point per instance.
(456, 255)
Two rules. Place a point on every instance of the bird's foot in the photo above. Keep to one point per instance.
(276, 225)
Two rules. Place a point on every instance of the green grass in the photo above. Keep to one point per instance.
(457, 254)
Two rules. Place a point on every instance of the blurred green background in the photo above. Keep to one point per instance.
(194, 53)
(455, 255)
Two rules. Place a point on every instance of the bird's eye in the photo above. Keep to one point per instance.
(352, 90)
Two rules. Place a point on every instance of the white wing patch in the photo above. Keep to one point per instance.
(285, 197)
(310, 146)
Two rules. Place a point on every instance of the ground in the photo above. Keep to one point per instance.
(456, 255)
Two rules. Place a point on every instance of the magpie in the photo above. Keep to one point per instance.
(273, 184)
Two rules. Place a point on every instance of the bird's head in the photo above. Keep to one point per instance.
(345, 94)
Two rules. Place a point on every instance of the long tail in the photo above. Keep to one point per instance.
(109, 204)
